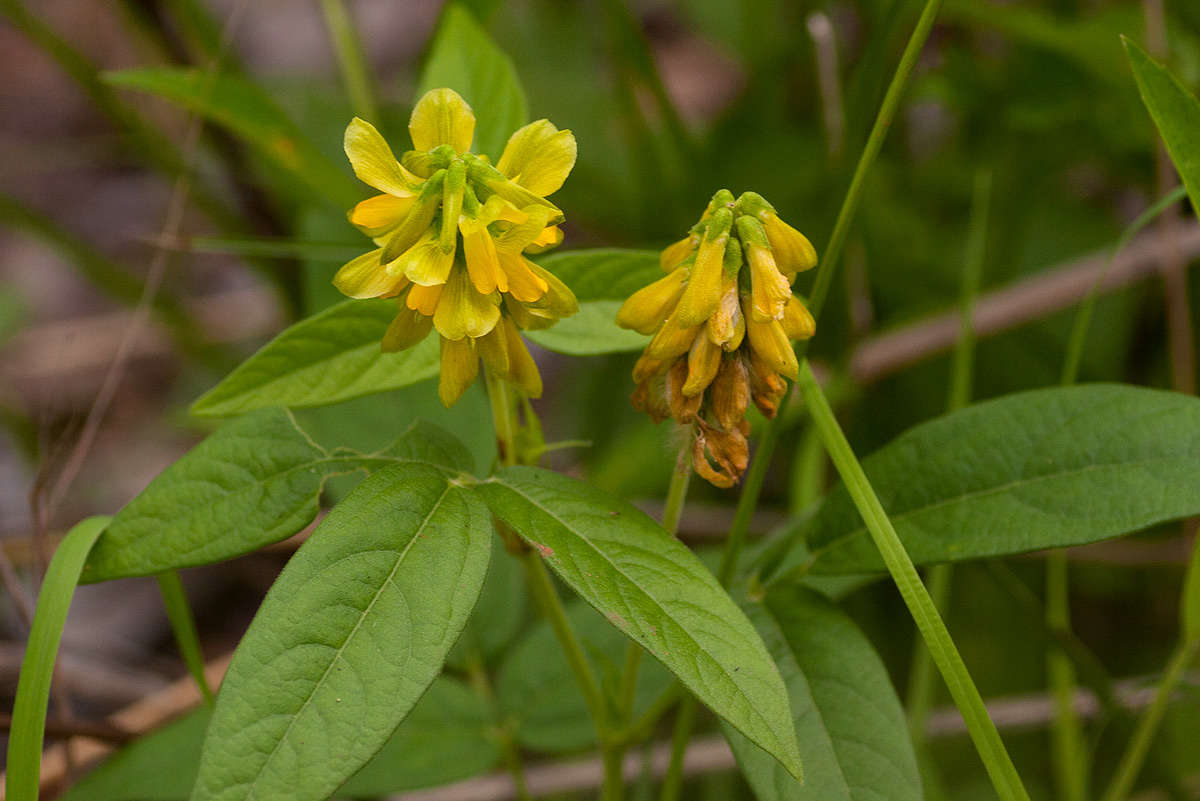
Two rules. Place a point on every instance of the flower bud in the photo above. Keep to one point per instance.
(703, 291)
(672, 339)
(772, 346)
(647, 309)
(675, 254)
(797, 322)
(704, 359)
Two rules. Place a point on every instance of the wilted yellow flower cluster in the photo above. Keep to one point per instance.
(452, 231)
(722, 334)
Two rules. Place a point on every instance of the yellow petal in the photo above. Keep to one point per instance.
(539, 157)
(674, 254)
(374, 162)
(522, 283)
(493, 348)
(463, 312)
(646, 309)
(792, 250)
(703, 361)
(376, 215)
(522, 369)
(442, 117)
(672, 339)
(460, 364)
(726, 321)
(482, 261)
(407, 329)
(520, 236)
(424, 263)
(550, 237)
(797, 322)
(559, 301)
(365, 277)
(703, 292)
(769, 290)
(771, 344)
(424, 299)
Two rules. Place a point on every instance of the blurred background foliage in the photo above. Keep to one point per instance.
(669, 101)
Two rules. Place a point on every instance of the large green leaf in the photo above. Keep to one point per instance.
(349, 637)
(445, 738)
(248, 111)
(650, 586)
(1041, 469)
(847, 715)
(536, 689)
(592, 331)
(464, 58)
(604, 273)
(1176, 113)
(254, 482)
(37, 668)
(332, 356)
(497, 617)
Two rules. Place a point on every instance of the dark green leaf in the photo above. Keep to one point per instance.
(37, 668)
(604, 273)
(1041, 469)
(847, 715)
(254, 482)
(535, 686)
(464, 58)
(649, 585)
(497, 617)
(332, 356)
(1176, 113)
(249, 112)
(347, 640)
(443, 739)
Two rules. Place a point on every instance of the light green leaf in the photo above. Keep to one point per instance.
(332, 356)
(846, 713)
(536, 689)
(249, 112)
(464, 58)
(1041, 469)
(256, 481)
(445, 738)
(592, 331)
(604, 273)
(650, 586)
(37, 668)
(1176, 113)
(349, 637)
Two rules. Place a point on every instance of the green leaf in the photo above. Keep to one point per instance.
(536, 688)
(37, 668)
(445, 738)
(248, 111)
(349, 637)
(1176, 113)
(604, 273)
(464, 58)
(856, 742)
(592, 331)
(1041, 469)
(332, 356)
(650, 586)
(256, 481)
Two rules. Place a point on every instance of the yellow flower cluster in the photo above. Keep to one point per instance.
(452, 231)
(722, 334)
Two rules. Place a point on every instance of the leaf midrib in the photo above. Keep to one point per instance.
(416, 535)
(657, 603)
(897, 516)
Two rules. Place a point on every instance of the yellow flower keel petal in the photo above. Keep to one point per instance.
(460, 365)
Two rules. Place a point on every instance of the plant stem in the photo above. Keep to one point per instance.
(1069, 755)
(879, 131)
(348, 46)
(752, 488)
(179, 612)
(919, 698)
(941, 647)
(673, 780)
(1143, 736)
(504, 419)
(478, 677)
